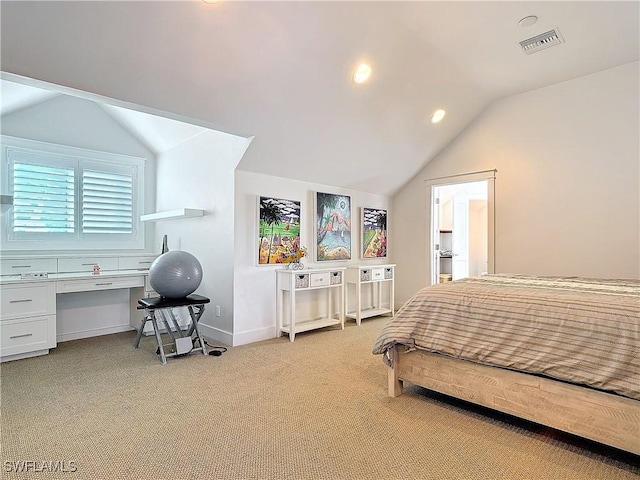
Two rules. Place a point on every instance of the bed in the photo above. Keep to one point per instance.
(558, 351)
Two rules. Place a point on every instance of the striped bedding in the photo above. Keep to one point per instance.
(578, 330)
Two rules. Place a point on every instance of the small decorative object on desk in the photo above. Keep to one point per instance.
(293, 260)
(96, 269)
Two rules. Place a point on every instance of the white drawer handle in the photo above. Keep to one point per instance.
(20, 266)
(145, 263)
(88, 264)
(21, 336)
(21, 301)
(103, 284)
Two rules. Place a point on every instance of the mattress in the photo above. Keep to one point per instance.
(579, 330)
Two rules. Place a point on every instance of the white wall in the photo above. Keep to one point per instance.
(200, 174)
(255, 286)
(567, 188)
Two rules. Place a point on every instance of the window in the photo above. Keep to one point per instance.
(69, 198)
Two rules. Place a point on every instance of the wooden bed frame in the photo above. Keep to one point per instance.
(606, 418)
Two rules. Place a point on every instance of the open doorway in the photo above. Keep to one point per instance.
(461, 229)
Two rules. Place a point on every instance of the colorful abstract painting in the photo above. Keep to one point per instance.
(333, 227)
(279, 230)
(374, 233)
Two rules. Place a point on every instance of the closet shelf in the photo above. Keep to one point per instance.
(172, 214)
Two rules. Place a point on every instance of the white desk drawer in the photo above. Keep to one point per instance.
(319, 279)
(136, 263)
(98, 283)
(27, 300)
(24, 265)
(377, 274)
(85, 264)
(21, 336)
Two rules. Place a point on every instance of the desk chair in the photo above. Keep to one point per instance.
(164, 307)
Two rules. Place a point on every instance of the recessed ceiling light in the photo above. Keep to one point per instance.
(528, 21)
(210, 1)
(438, 115)
(362, 73)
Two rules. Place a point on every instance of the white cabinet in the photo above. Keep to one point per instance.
(86, 264)
(27, 319)
(142, 262)
(376, 280)
(28, 300)
(292, 285)
(27, 337)
(99, 282)
(28, 304)
(17, 266)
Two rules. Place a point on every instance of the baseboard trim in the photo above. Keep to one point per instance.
(235, 339)
(20, 356)
(215, 334)
(96, 332)
(251, 336)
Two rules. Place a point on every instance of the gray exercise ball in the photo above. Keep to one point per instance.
(175, 274)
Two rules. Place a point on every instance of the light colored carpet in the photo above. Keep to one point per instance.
(312, 409)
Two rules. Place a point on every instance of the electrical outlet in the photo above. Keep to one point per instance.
(34, 275)
(217, 310)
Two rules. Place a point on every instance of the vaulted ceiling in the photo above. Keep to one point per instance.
(281, 71)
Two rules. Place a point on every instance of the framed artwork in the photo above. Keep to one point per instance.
(374, 233)
(278, 229)
(333, 227)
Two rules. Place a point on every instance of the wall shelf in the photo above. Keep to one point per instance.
(172, 214)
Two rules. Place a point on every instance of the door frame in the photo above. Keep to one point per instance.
(433, 209)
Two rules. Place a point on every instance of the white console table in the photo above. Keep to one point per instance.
(292, 282)
(28, 305)
(373, 276)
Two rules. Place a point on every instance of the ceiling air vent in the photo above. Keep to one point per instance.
(540, 42)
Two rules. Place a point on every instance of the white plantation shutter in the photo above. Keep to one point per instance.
(107, 202)
(67, 198)
(43, 199)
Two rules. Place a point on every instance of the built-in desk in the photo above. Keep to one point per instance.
(28, 305)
